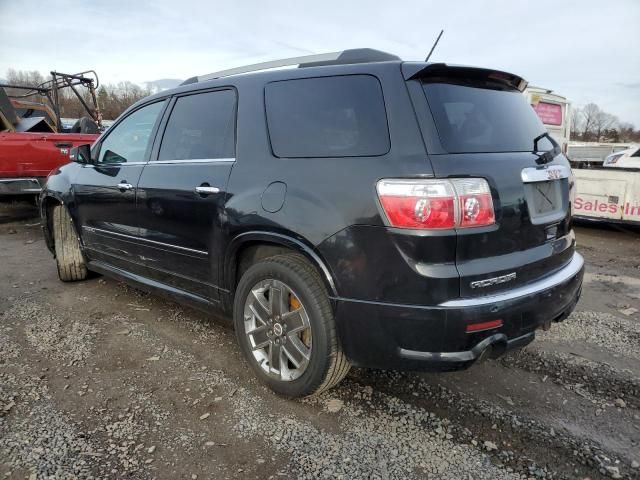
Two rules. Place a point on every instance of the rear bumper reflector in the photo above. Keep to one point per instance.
(479, 327)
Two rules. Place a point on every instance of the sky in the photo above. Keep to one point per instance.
(586, 50)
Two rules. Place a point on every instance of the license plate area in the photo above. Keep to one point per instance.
(547, 194)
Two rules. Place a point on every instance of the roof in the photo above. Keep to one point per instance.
(336, 63)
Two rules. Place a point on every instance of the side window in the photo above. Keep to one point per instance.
(342, 116)
(129, 140)
(201, 126)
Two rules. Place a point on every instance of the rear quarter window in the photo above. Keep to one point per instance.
(341, 116)
(471, 119)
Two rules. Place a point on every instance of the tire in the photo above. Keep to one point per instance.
(85, 125)
(325, 365)
(69, 259)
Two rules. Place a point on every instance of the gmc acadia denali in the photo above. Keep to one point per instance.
(355, 210)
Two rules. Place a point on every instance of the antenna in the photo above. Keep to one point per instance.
(434, 46)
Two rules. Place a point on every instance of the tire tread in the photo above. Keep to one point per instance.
(339, 365)
(69, 259)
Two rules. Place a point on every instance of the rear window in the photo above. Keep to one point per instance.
(341, 116)
(475, 120)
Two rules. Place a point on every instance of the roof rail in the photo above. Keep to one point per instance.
(345, 57)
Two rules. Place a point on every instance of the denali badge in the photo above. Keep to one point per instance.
(494, 281)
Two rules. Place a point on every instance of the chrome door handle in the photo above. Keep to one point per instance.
(204, 190)
(125, 186)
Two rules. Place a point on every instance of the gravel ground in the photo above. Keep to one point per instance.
(99, 380)
(620, 336)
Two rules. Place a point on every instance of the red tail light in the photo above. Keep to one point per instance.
(437, 204)
(476, 204)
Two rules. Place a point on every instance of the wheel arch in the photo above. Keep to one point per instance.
(273, 242)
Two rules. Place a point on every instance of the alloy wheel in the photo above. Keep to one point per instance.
(278, 329)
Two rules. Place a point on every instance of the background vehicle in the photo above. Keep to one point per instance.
(554, 111)
(629, 158)
(422, 228)
(32, 142)
(592, 154)
(609, 191)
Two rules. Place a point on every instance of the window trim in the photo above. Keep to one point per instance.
(152, 135)
(155, 153)
(362, 74)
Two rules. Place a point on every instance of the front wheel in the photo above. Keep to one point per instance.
(69, 259)
(285, 327)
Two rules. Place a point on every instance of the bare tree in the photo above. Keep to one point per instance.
(626, 132)
(589, 114)
(576, 123)
(592, 124)
(603, 122)
(27, 79)
(23, 78)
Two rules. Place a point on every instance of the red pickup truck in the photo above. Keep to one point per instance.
(30, 143)
(26, 158)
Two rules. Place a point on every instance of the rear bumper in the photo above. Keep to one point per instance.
(20, 186)
(409, 337)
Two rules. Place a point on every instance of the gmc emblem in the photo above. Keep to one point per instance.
(554, 174)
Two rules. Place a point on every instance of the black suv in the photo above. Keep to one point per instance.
(355, 210)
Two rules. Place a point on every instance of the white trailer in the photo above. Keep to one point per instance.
(593, 153)
(609, 192)
(554, 111)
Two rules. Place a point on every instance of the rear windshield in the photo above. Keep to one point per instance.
(475, 120)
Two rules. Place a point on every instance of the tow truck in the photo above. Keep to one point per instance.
(31, 140)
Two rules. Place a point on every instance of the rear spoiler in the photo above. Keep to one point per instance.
(414, 70)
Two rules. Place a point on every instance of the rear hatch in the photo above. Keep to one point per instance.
(478, 124)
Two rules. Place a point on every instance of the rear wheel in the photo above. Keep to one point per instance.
(285, 327)
(69, 259)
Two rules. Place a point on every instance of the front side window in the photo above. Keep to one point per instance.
(201, 126)
(129, 140)
(472, 119)
(342, 116)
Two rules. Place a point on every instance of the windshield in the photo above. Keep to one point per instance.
(470, 119)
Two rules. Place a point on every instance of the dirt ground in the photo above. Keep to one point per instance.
(99, 380)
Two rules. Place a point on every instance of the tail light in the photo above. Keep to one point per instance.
(436, 204)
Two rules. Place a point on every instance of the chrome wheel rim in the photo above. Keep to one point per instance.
(278, 330)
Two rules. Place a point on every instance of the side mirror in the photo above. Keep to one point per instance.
(81, 154)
